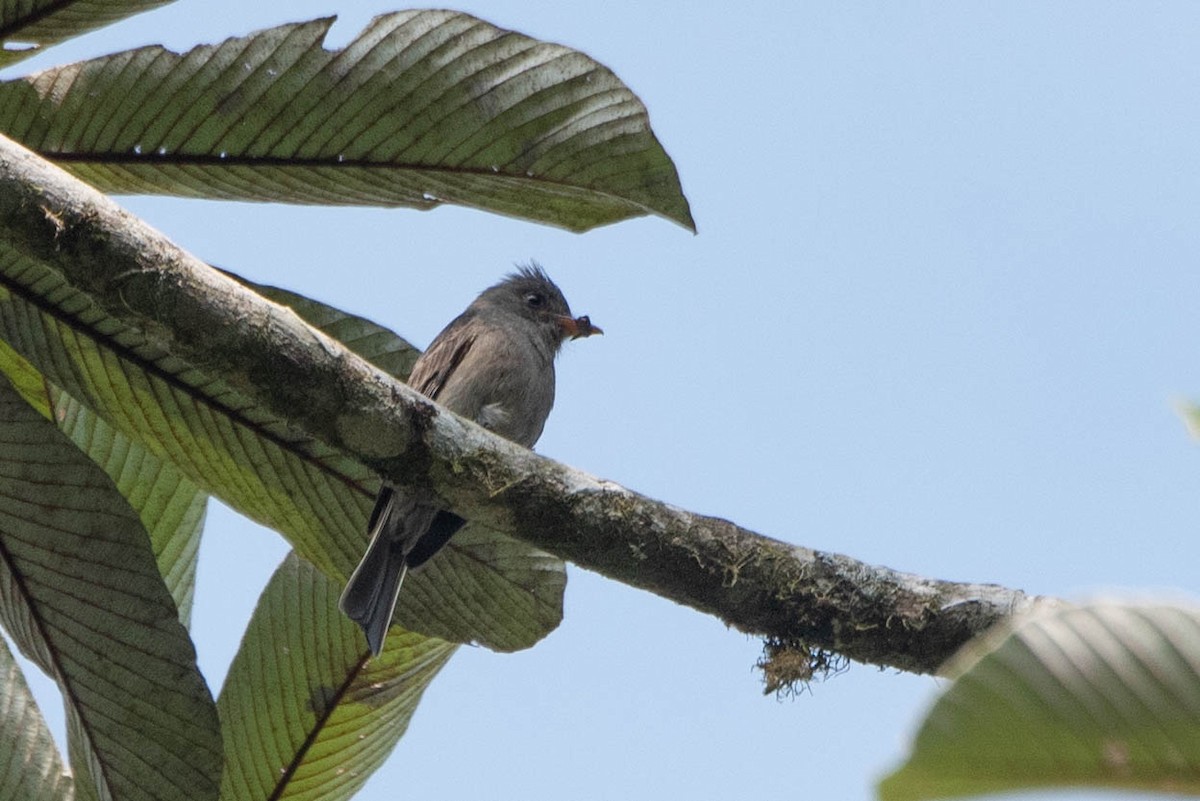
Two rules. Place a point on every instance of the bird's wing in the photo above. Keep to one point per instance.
(443, 527)
(446, 352)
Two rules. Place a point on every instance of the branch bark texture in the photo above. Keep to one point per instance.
(754, 583)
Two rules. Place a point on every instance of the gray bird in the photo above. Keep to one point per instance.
(493, 364)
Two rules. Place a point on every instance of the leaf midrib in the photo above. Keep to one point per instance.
(324, 162)
(317, 728)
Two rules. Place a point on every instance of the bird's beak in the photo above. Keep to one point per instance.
(578, 327)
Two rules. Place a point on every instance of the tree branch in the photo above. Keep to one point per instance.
(789, 594)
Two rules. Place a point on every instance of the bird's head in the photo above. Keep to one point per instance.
(530, 295)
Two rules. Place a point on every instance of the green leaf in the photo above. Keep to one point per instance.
(527, 601)
(170, 506)
(30, 767)
(25, 378)
(305, 712)
(423, 108)
(1105, 695)
(82, 597)
(87, 770)
(29, 26)
(1189, 412)
(507, 595)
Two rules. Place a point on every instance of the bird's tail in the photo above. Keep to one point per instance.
(370, 594)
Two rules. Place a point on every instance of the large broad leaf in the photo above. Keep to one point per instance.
(424, 107)
(1106, 695)
(30, 767)
(29, 26)
(482, 588)
(1190, 413)
(26, 379)
(81, 595)
(305, 712)
(170, 506)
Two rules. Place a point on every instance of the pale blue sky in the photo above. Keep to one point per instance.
(943, 295)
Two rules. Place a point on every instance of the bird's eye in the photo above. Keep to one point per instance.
(535, 299)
